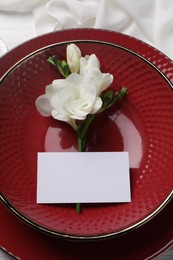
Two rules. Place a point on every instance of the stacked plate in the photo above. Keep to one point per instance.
(142, 125)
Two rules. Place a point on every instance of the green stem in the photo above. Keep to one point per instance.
(78, 208)
(82, 129)
(81, 148)
(81, 145)
(81, 134)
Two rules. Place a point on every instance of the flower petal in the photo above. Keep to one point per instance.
(88, 63)
(96, 106)
(73, 58)
(106, 81)
(59, 116)
(43, 105)
(93, 61)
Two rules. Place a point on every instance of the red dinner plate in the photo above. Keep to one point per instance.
(142, 125)
(145, 242)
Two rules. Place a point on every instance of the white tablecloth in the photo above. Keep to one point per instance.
(148, 20)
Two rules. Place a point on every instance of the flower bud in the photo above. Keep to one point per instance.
(73, 58)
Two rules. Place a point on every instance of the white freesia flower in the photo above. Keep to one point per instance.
(90, 66)
(73, 54)
(78, 95)
(69, 99)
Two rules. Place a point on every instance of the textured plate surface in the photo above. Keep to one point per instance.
(142, 124)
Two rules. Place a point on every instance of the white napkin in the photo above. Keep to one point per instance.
(148, 20)
(127, 16)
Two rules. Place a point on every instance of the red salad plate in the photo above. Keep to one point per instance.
(142, 124)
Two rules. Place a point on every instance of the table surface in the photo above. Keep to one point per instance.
(13, 32)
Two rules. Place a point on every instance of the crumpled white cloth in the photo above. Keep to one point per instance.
(148, 20)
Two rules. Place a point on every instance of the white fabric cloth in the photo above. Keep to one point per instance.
(148, 20)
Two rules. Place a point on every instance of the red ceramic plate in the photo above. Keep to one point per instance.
(142, 125)
(145, 242)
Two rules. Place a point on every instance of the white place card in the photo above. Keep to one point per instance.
(83, 177)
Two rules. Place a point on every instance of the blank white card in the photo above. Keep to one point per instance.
(83, 177)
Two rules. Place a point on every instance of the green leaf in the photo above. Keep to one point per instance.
(62, 66)
(109, 94)
(54, 61)
(65, 68)
(109, 98)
